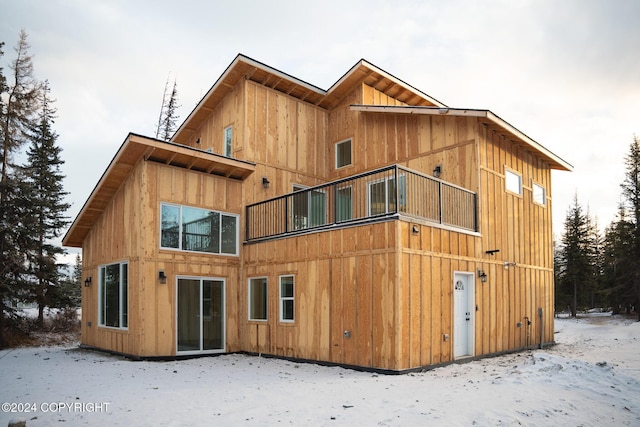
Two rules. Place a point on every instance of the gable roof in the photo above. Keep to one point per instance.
(244, 67)
(134, 149)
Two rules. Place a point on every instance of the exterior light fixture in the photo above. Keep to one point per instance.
(265, 182)
(162, 277)
(482, 275)
(87, 282)
(437, 171)
(415, 229)
(492, 251)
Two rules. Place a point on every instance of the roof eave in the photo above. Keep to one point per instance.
(135, 148)
(558, 162)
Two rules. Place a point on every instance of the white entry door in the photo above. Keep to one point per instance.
(463, 314)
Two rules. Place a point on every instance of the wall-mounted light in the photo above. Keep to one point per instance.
(162, 277)
(87, 282)
(415, 229)
(492, 251)
(437, 171)
(265, 182)
(482, 275)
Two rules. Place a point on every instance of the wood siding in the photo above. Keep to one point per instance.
(389, 287)
(129, 230)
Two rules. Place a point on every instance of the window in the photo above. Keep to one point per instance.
(286, 298)
(113, 298)
(308, 209)
(343, 153)
(194, 229)
(344, 203)
(513, 181)
(382, 195)
(539, 194)
(258, 298)
(228, 138)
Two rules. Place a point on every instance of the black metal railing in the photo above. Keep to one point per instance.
(377, 194)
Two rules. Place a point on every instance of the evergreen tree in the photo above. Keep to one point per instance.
(167, 121)
(77, 271)
(574, 261)
(42, 174)
(631, 193)
(18, 96)
(20, 103)
(618, 263)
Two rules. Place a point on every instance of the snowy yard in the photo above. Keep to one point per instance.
(591, 377)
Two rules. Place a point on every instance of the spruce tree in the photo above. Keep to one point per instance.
(618, 263)
(574, 268)
(167, 121)
(631, 193)
(44, 177)
(18, 96)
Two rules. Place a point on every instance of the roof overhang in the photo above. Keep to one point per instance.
(492, 121)
(138, 148)
(246, 68)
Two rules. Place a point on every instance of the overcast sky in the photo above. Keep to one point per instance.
(564, 72)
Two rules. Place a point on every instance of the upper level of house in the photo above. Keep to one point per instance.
(369, 146)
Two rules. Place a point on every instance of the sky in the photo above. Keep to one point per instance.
(566, 73)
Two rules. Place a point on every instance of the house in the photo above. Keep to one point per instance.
(367, 225)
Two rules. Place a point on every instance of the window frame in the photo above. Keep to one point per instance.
(337, 151)
(123, 297)
(227, 140)
(510, 172)
(344, 203)
(303, 212)
(265, 300)
(284, 299)
(543, 201)
(389, 195)
(221, 214)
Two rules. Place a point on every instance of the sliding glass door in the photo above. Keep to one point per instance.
(200, 315)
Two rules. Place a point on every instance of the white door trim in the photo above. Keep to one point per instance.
(469, 312)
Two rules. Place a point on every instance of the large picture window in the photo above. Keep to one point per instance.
(258, 298)
(113, 298)
(286, 298)
(194, 229)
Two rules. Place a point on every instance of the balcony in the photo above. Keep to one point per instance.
(392, 191)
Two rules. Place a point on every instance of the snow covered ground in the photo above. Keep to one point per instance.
(590, 378)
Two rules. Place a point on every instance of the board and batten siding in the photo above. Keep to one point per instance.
(128, 230)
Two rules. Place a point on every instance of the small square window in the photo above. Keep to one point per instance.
(513, 182)
(343, 153)
(539, 194)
